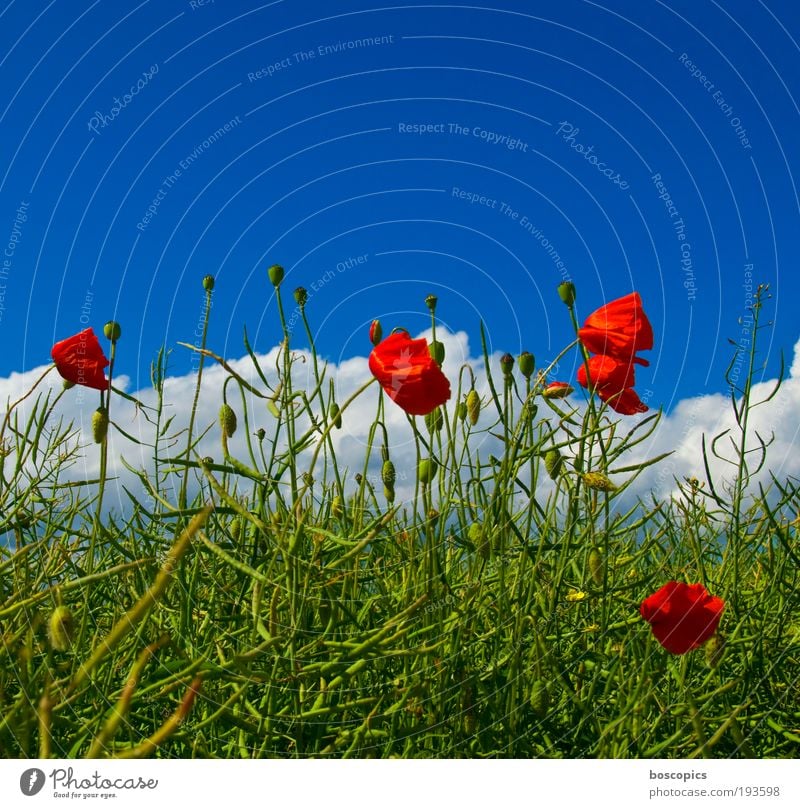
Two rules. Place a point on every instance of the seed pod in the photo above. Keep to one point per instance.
(275, 273)
(714, 650)
(208, 283)
(112, 330)
(434, 420)
(335, 415)
(473, 406)
(539, 698)
(553, 462)
(506, 364)
(597, 481)
(301, 296)
(227, 420)
(61, 628)
(596, 565)
(431, 301)
(427, 471)
(389, 494)
(324, 611)
(100, 424)
(261, 433)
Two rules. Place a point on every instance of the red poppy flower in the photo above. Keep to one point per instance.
(80, 359)
(618, 329)
(613, 379)
(558, 390)
(409, 374)
(682, 616)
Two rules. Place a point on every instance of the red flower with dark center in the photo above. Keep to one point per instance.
(618, 329)
(613, 380)
(80, 360)
(409, 374)
(682, 616)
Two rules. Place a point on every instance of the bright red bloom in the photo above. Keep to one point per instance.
(618, 329)
(682, 616)
(409, 374)
(558, 390)
(613, 380)
(80, 359)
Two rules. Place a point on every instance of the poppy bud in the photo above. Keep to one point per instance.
(375, 332)
(61, 628)
(539, 698)
(325, 612)
(595, 562)
(558, 390)
(436, 349)
(301, 296)
(461, 410)
(431, 301)
(275, 273)
(434, 420)
(482, 546)
(336, 507)
(526, 364)
(553, 462)
(227, 420)
(100, 424)
(112, 330)
(208, 283)
(335, 415)
(714, 649)
(507, 364)
(388, 493)
(427, 471)
(388, 474)
(236, 529)
(261, 433)
(566, 291)
(473, 406)
(597, 481)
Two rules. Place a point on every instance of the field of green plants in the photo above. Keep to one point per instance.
(278, 604)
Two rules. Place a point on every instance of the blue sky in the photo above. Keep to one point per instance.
(381, 152)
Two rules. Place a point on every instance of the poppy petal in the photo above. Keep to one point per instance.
(682, 616)
(408, 374)
(80, 359)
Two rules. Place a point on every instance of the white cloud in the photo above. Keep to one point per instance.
(680, 432)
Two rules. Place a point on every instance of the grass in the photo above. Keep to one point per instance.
(293, 609)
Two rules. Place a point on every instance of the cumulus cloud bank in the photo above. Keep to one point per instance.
(680, 432)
